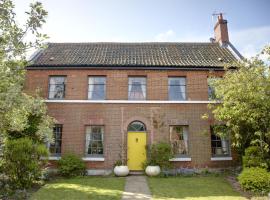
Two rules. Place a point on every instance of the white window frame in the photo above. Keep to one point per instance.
(51, 85)
(93, 85)
(223, 145)
(56, 154)
(143, 87)
(180, 85)
(88, 140)
(185, 135)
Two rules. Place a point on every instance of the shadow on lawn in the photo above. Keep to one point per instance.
(82, 188)
(193, 188)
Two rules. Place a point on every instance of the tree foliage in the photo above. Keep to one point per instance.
(22, 161)
(20, 114)
(24, 123)
(245, 103)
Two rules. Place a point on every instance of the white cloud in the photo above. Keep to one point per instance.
(250, 42)
(165, 36)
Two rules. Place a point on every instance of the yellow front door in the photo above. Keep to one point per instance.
(136, 150)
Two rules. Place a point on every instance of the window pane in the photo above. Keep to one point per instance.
(97, 88)
(137, 88)
(177, 88)
(57, 87)
(94, 140)
(55, 147)
(220, 146)
(136, 126)
(177, 81)
(211, 89)
(179, 140)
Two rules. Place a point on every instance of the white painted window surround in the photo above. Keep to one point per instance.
(93, 159)
(220, 158)
(130, 101)
(180, 159)
(54, 157)
(84, 158)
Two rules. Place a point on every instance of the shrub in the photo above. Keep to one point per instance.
(71, 165)
(22, 162)
(255, 179)
(254, 158)
(160, 154)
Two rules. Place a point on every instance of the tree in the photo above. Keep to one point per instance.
(24, 123)
(245, 104)
(20, 114)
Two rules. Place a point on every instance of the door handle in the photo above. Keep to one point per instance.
(137, 140)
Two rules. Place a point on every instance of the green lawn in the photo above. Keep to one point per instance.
(192, 188)
(98, 188)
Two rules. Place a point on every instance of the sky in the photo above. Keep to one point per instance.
(154, 21)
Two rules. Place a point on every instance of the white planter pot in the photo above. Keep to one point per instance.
(152, 170)
(121, 170)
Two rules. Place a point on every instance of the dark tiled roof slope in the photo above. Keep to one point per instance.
(134, 54)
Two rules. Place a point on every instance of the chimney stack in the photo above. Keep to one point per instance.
(221, 31)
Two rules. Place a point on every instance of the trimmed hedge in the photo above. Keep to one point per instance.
(71, 165)
(255, 179)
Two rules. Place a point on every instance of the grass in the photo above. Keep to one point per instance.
(192, 188)
(98, 188)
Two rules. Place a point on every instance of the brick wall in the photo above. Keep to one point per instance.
(116, 117)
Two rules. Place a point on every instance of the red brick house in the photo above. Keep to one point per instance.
(100, 93)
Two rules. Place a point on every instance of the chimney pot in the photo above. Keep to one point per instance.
(221, 31)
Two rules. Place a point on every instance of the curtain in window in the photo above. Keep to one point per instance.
(57, 87)
(177, 88)
(55, 147)
(94, 140)
(137, 89)
(179, 139)
(97, 88)
(87, 145)
(211, 89)
(225, 146)
(220, 146)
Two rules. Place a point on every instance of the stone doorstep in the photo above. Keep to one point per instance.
(136, 172)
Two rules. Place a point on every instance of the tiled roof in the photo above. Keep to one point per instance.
(133, 54)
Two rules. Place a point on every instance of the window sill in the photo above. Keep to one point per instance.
(180, 159)
(93, 159)
(54, 157)
(131, 101)
(220, 158)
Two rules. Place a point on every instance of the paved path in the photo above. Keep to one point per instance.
(136, 188)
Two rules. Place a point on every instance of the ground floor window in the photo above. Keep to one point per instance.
(220, 146)
(179, 140)
(94, 140)
(55, 146)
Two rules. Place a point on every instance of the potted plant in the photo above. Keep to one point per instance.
(158, 158)
(120, 166)
(152, 169)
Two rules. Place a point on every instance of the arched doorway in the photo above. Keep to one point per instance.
(136, 148)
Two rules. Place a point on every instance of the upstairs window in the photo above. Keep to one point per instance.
(211, 89)
(94, 141)
(220, 146)
(97, 87)
(179, 140)
(55, 147)
(57, 87)
(137, 88)
(177, 88)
